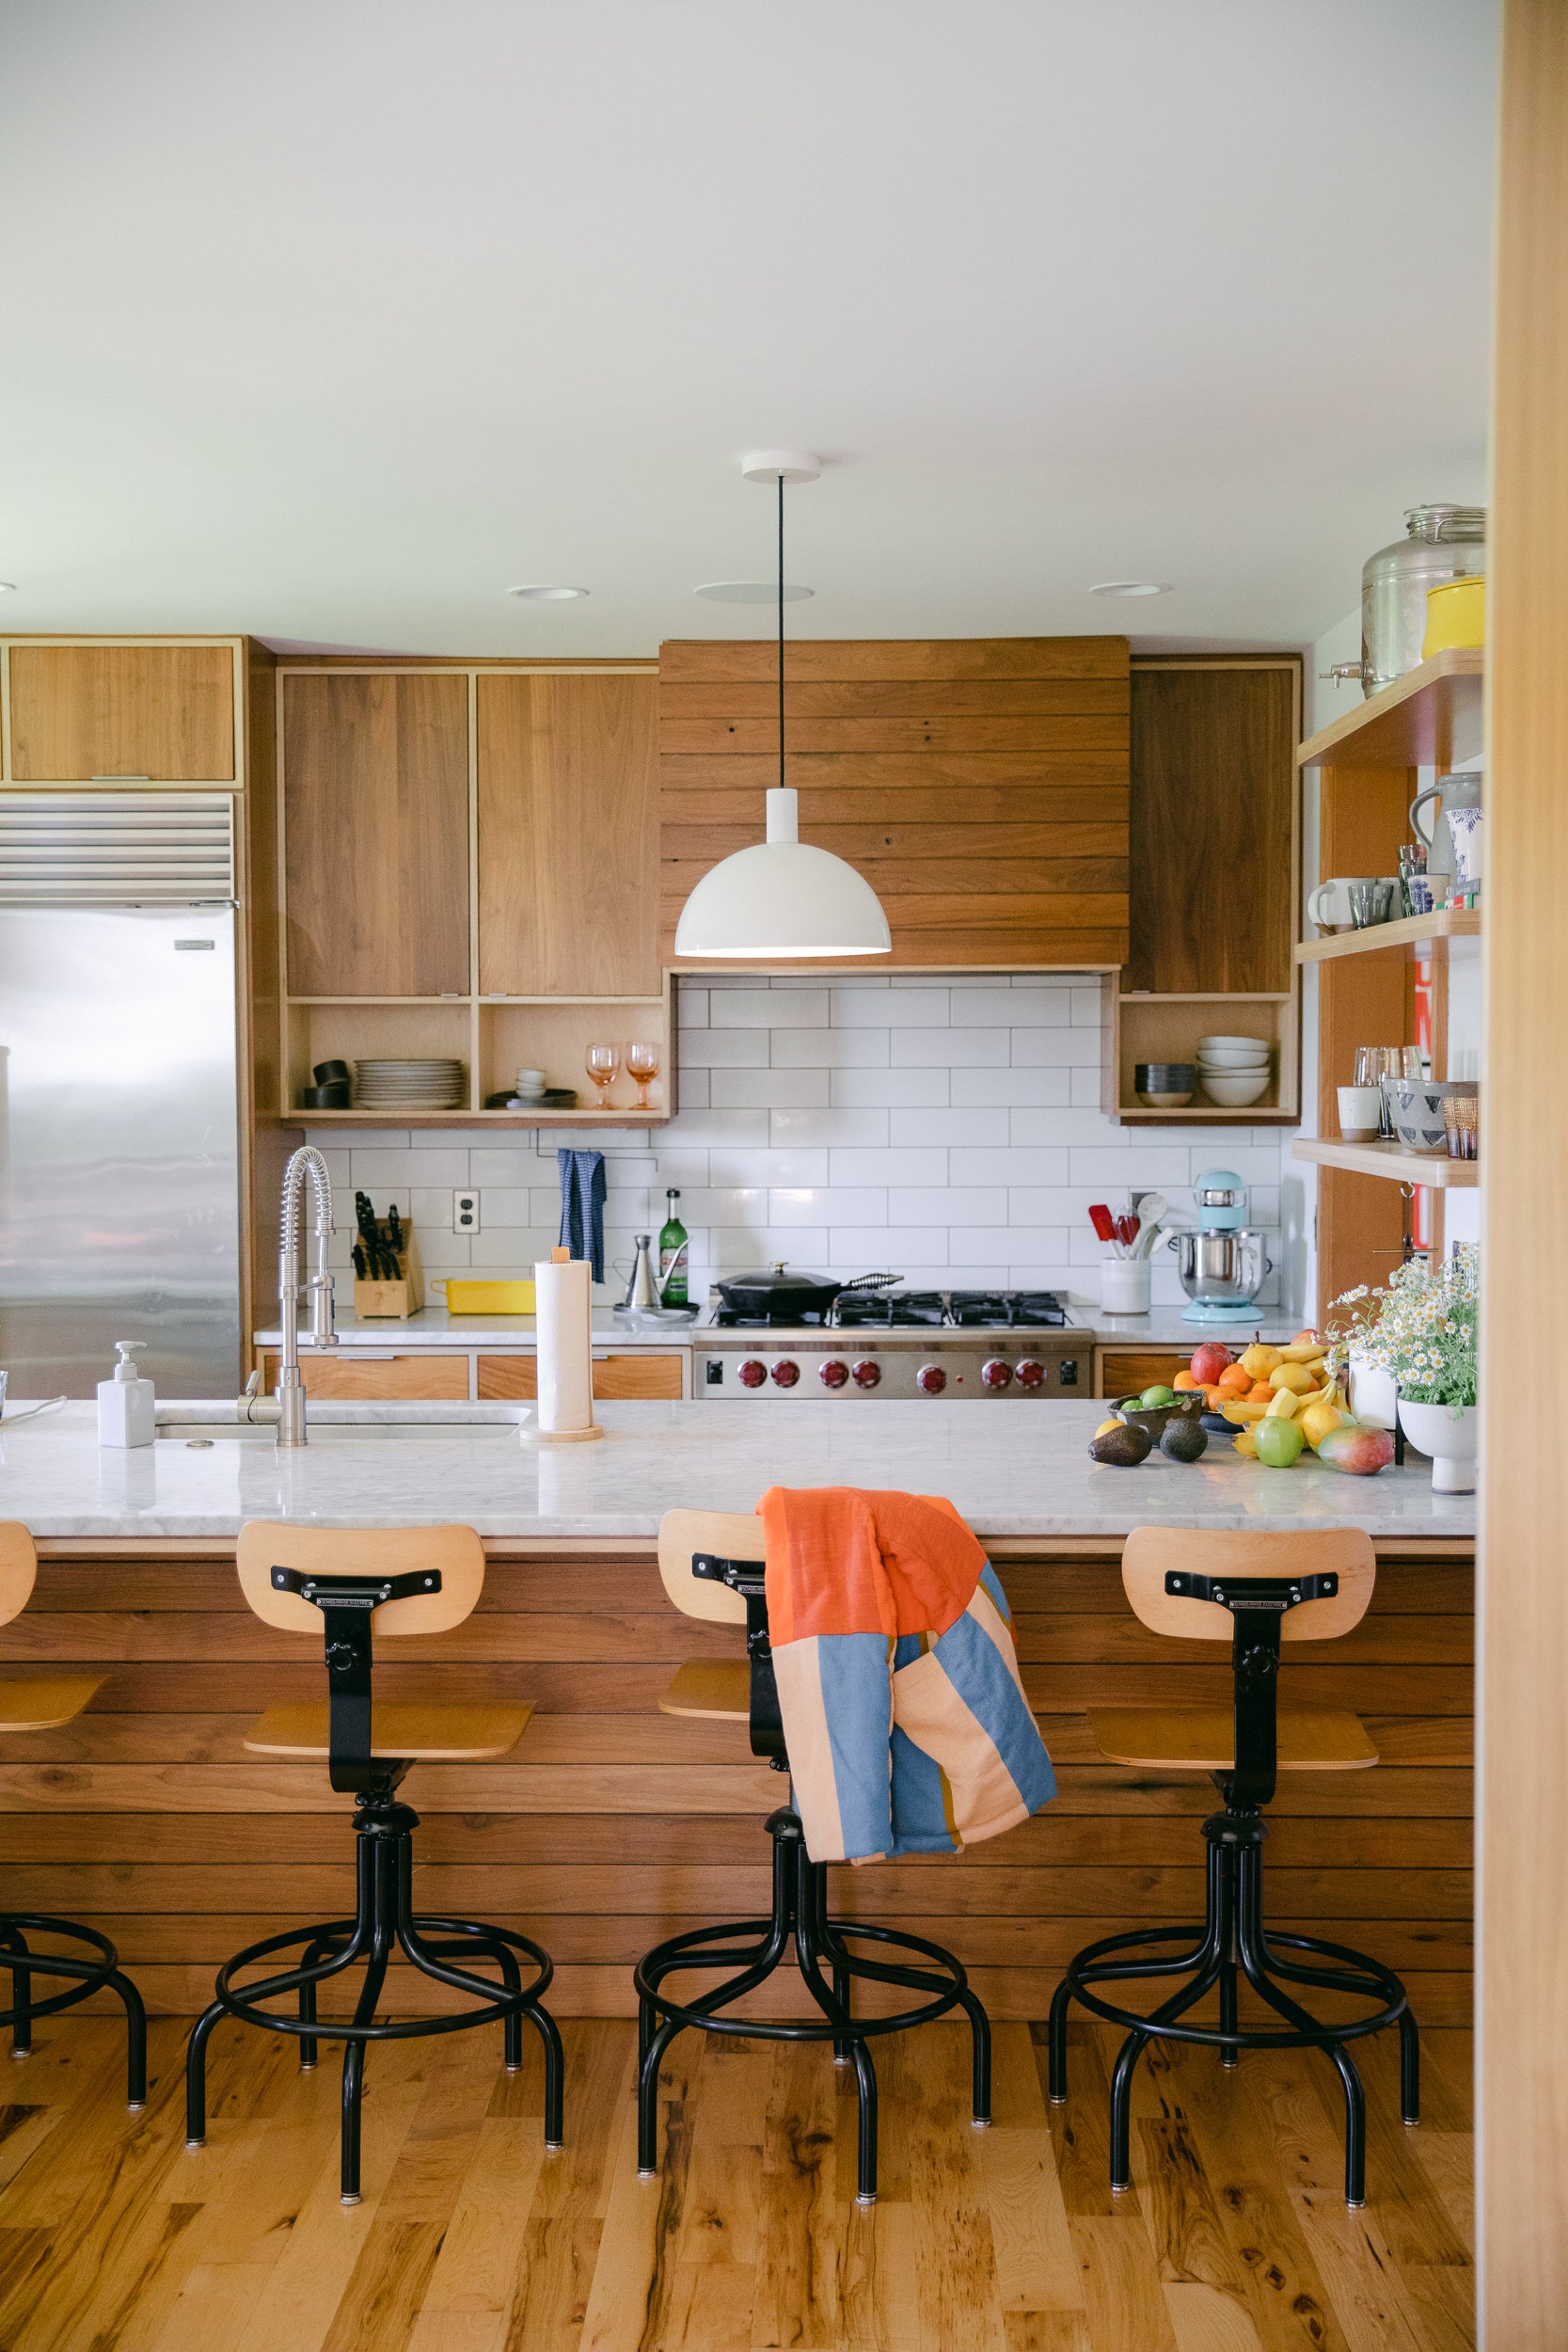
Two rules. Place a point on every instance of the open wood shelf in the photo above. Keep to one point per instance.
(458, 1116)
(1389, 1159)
(1429, 717)
(1387, 939)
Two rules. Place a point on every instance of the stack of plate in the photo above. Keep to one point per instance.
(408, 1086)
(1235, 1071)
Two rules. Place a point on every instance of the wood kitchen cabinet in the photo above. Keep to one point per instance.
(1215, 879)
(568, 835)
(372, 1380)
(639, 1374)
(101, 712)
(376, 817)
(1128, 1371)
(980, 785)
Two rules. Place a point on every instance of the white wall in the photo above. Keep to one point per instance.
(944, 1129)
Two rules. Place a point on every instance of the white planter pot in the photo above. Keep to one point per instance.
(1374, 1394)
(1451, 1438)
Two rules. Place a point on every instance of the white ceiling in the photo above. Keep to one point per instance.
(333, 319)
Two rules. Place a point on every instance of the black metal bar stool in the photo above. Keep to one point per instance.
(42, 1703)
(345, 1581)
(1251, 1590)
(712, 1567)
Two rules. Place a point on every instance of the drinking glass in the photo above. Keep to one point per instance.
(643, 1065)
(1362, 898)
(602, 1063)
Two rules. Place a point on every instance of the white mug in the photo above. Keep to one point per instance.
(1360, 1113)
(1329, 904)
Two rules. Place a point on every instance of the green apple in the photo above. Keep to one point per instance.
(1278, 1441)
(1156, 1396)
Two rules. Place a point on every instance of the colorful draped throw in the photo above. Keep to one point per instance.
(904, 1716)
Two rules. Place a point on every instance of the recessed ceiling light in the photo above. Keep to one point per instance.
(548, 596)
(1131, 588)
(750, 592)
(7, 587)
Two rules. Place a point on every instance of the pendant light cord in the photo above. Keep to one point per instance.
(781, 638)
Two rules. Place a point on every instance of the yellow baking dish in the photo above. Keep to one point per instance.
(1456, 615)
(489, 1298)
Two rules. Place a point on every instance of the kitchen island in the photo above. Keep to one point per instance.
(612, 1825)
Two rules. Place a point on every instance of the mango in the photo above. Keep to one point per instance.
(1292, 1377)
(1260, 1360)
(1361, 1451)
(1283, 1405)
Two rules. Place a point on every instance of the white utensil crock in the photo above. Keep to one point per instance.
(1124, 1286)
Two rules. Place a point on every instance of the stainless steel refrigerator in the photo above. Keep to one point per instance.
(120, 1176)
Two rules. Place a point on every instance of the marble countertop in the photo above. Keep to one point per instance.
(1010, 1473)
(434, 1327)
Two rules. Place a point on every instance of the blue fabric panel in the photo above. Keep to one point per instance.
(992, 1585)
(970, 1659)
(907, 1649)
(857, 1702)
(582, 1200)
(918, 1804)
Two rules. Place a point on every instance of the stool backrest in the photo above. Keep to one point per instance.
(1150, 1553)
(19, 1567)
(729, 1536)
(360, 1552)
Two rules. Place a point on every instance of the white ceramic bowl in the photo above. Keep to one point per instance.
(1166, 1101)
(1237, 1044)
(1255, 1057)
(1233, 1090)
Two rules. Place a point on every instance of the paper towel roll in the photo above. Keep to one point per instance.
(565, 1346)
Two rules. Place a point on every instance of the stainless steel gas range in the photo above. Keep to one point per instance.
(986, 1345)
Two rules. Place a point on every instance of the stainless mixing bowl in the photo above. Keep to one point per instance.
(1222, 1269)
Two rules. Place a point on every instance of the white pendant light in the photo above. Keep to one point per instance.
(781, 897)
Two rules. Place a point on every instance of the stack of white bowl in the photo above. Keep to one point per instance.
(1234, 1071)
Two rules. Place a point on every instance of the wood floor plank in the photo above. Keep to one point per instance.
(629, 2307)
(957, 2287)
(1206, 2320)
(1448, 2159)
(795, 2307)
(476, 2271)
(1080, 2128)
(1122, 2286)
(1037, 2266)
(561, 2244)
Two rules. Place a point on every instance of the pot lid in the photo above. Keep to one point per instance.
(779, 1277)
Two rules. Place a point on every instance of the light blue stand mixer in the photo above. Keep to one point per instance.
(1221, 1263)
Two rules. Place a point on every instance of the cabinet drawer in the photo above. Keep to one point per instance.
(638, 1375)
(384, 1377)
(163, 714)
(1122, 1370)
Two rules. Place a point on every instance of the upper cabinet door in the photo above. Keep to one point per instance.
(375, 796)
(153, 714)
(1214, 826)
(568, 835)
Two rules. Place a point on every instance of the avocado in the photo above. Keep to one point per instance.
(1184, 1439)
(1125, 1448)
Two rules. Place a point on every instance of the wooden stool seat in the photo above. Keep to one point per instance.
(44, 1702)
(710, 1686)
(1203, 1739)
(402, 1729)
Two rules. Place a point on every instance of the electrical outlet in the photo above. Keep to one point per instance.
(464, 1212)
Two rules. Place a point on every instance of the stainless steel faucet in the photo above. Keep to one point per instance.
(305, 1163)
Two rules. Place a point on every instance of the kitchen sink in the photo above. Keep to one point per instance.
(493, 1425)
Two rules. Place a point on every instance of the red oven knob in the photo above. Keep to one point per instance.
(931, 1379)
(785, 1373)
(867, 1372)
(751, 1375)
(833, 1372)
(995, 1374)
(1031, 1374)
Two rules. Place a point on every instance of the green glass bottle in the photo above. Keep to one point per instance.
(672, 1241)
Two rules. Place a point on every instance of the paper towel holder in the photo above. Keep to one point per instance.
(533, 1434)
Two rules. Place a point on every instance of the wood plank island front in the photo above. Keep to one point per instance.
(611, 1825)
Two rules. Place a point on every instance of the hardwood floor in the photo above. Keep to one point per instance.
(470, 2239)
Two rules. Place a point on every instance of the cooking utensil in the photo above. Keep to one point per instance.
(361, 1271)
(1126, 1230)
(1104, 1224)
(779, 1293)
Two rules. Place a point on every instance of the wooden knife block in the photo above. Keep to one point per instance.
(393, 1302)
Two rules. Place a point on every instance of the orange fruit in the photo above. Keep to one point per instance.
(1183, 1380)
(1261, 1392)
(1214, 1398)
(1233, 1381)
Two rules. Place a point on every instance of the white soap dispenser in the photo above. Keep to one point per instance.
(125, 1415)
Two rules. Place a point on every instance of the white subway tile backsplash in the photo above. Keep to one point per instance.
(946, 1126)
(770, 1088)
(829, 1049)
(937, 1049)
(904, 1090)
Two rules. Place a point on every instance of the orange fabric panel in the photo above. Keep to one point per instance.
(844, 1560)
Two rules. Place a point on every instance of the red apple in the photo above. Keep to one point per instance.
(1209, 1361)
(1361, 1451)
